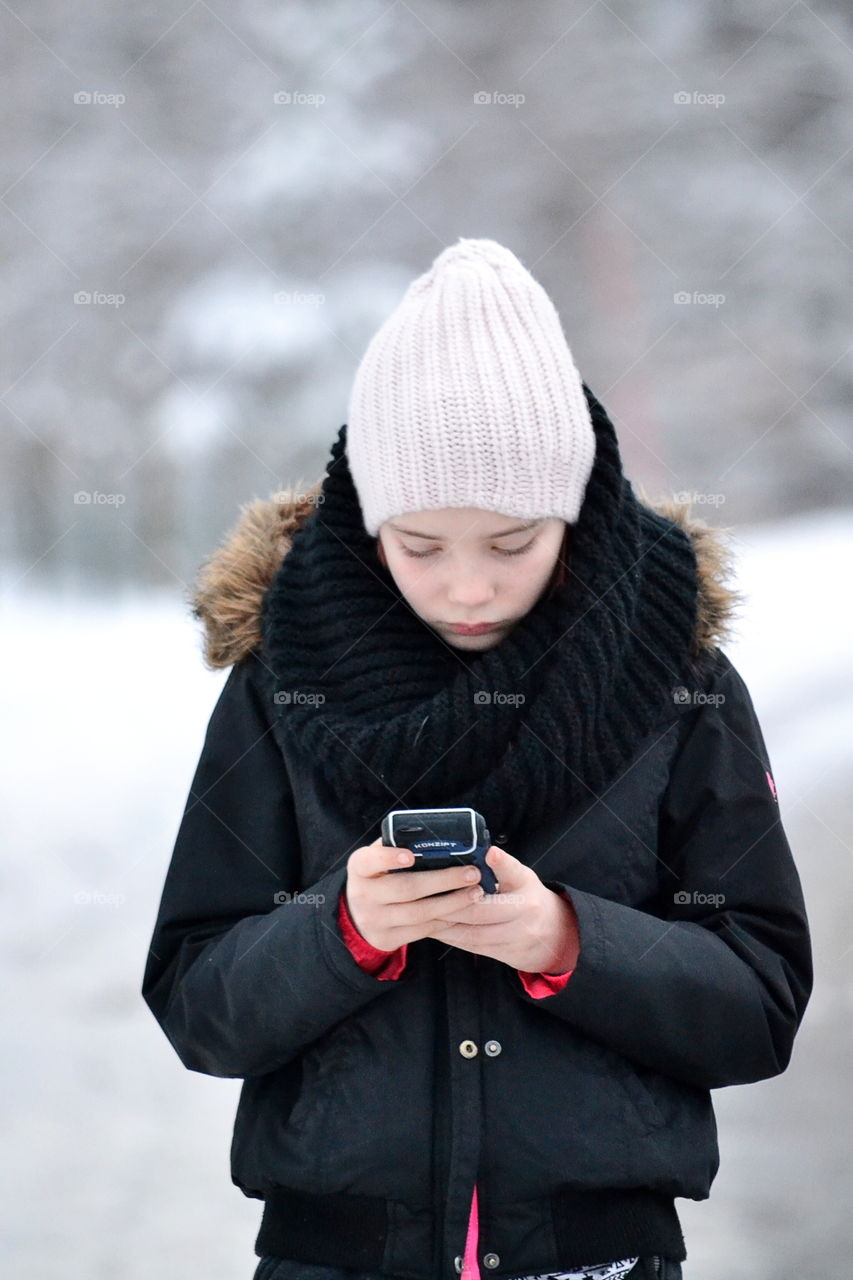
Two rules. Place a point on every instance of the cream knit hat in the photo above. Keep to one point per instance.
(468, 396)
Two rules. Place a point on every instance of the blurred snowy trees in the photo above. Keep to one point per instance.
(207, 212)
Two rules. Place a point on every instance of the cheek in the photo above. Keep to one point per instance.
(408, 574)
(415, 578)
(530, 582)
(538, 564)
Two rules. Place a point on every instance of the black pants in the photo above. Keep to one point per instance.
(269, 1268)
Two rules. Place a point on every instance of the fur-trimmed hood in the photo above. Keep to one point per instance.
(229, 587)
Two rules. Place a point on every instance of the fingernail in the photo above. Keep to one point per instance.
(403, 856)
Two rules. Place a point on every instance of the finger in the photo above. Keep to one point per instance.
(413, 884)
(377, 858)
(486, 911)
(423, 914)
(446, 908)
(374, 861)
(403, 894)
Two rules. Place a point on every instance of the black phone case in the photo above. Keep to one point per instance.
(431, 835)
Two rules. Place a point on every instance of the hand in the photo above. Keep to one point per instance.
(526, 926)
(389, 910)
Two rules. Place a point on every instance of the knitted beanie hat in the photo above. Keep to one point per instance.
(468, 396)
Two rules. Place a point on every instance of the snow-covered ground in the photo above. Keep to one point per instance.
(117, 1157)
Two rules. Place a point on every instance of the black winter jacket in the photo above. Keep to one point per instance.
(370, 1107)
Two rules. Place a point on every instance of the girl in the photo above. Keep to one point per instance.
(473, 608)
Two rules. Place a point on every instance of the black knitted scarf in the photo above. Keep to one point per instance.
(390, 712)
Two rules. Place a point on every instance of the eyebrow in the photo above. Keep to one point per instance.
(435, 537)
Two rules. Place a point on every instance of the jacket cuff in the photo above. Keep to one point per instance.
(539, 985)
(373, 960)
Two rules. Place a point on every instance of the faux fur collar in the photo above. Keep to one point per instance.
(227, 593)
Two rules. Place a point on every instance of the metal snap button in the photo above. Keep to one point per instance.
(491, 1260)
(492, 1047)
(468, 1049)
(499, 839)
(457, 1262)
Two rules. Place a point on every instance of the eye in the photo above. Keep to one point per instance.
(516, 551)
(519, 551)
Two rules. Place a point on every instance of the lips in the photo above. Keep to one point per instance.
(479, 629)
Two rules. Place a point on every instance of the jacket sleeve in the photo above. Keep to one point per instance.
(246, 966)
(712, 989)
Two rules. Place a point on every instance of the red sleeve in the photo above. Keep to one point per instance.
(543, 984)
(382, 964)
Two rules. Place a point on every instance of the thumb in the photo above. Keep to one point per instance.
(498, 859)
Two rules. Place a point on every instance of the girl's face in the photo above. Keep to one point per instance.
(469, 565)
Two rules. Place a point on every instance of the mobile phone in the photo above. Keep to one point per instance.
(441, 838)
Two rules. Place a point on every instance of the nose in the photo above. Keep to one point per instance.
(470, 590)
